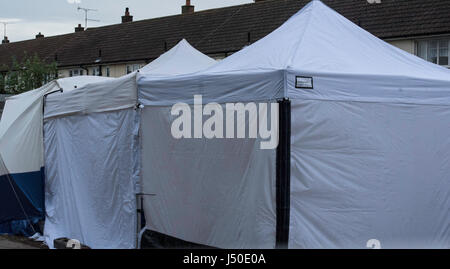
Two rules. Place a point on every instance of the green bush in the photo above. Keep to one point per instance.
(31, 73)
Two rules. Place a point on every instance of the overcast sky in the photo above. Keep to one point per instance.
(53, 17)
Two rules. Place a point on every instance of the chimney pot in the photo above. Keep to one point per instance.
(79, 28)
(40, 35)
(188, 8)
(127, 17)
(5, 40)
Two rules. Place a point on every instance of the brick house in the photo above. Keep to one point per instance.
(417, 26)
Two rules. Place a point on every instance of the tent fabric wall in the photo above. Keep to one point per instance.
(364, 171)
(91, 180)
(217, 193)
(92, 164)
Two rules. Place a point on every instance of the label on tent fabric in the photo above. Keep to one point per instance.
(304, 82)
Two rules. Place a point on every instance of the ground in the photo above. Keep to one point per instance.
(18, 242)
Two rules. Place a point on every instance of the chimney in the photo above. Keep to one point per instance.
(79, 28)
(39, 35)
(188, 8)
(5, 40)
(127, 17)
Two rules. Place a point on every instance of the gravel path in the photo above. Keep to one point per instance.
(17, 242)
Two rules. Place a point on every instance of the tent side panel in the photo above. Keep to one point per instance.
(218, 192)
(90, 191)
(32, 185)
(17, 211)
(363, 171)
(21, 150)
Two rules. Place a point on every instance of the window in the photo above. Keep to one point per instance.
(108, 72)
(76, 72)
(435, 51)
(133, 67)
(96, 71)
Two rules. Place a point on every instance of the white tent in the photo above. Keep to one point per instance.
(22, 150)
(368, 150)
(92, 155)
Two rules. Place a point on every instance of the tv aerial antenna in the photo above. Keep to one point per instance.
(86, 18)
(5, 24)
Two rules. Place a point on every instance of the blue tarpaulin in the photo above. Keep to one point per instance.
(21, 202)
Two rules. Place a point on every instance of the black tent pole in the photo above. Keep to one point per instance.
(283, 180)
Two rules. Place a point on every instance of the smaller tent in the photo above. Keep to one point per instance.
(181, 59)
(22, 156)
(92, 156)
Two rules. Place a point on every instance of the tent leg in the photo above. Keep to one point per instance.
(139, 214)
(283, 180)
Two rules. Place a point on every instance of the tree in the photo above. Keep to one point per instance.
(2, 79)
(2, 83)
(31, 73)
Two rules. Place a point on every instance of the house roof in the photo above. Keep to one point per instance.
(45, 48)
(224, 30)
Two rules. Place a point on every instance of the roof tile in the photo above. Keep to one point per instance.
(225, 30)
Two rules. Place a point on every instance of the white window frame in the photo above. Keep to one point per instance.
(130, 68)
(438, 40)
(79, 71)
(96, 71)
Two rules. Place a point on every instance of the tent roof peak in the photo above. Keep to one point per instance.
(183, 58)
(318, 39)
